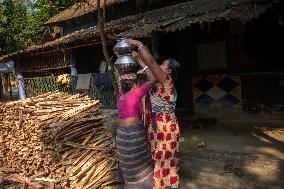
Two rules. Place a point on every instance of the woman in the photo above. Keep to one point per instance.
(161, 122)
(133, 152)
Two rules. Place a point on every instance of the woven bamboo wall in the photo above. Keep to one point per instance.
(39, 85)
(100, 88)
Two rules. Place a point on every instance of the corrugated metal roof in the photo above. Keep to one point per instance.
(169, 19)
(243, 14)
(183, 15)
(79, 9)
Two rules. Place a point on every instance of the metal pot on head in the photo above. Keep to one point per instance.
(126, 64)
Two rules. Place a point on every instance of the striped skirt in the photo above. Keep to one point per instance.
(134, 157)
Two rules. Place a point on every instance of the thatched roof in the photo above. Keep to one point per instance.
(79, 9)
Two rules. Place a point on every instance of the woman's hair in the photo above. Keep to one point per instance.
(127, 84)
(173, 66)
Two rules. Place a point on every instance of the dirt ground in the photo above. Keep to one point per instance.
(256, 147)
(259, 141)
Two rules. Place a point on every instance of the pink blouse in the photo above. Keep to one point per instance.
(130, 105)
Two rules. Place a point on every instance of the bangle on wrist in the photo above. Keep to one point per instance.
(143, 70)
(140, 46)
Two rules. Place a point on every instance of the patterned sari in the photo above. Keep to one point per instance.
(163, 134)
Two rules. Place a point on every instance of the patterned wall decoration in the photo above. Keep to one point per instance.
(217, 89)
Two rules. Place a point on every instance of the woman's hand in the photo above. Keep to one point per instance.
(147, 58)
(135, 55)
(133, 42)
(138, 59)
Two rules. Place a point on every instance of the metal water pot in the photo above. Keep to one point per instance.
(122, 47)
(126, 64)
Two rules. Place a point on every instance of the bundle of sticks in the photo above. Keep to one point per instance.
(56, 138)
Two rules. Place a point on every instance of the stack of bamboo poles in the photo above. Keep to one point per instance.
(56, 138)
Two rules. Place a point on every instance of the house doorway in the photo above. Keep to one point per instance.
(175, 45)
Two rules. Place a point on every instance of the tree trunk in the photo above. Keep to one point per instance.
(55, 31)
(101, 20)
(101, 28)
(52, 7)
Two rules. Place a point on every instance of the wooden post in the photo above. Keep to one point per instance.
(1, 86)
(5, 84)
(10, 86)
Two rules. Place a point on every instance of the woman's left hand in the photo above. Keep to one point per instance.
(134, 42)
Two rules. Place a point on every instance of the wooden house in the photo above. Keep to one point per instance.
(228, 49)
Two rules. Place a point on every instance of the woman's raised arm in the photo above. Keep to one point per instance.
(151, 77)
(149, 60)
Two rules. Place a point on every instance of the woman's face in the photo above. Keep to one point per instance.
(165, 66)
(134, 87)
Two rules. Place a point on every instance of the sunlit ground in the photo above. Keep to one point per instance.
(257, 148)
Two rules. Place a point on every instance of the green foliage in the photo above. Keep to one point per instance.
(22, 22)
